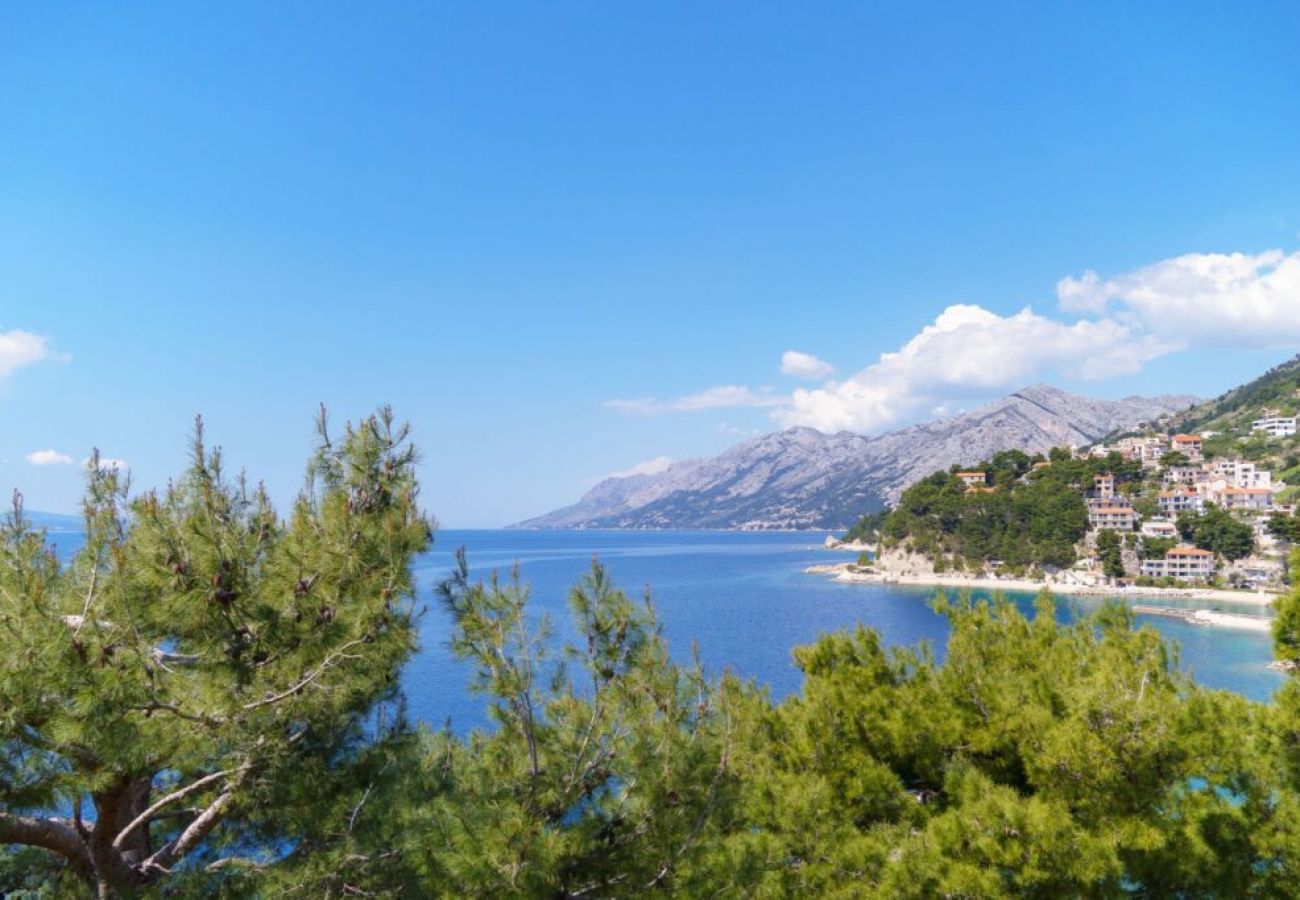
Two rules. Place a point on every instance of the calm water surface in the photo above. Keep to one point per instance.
(744, 598)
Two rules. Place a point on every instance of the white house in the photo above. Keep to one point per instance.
(1183, 563)
(1187, 475)
(1103, 486)
(1247, 499)
(1242, 474)
(1146, 450)
(1159, 528)
(1174, 502)
(1116, 518)
(1276, 426)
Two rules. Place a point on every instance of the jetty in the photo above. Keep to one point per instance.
(1207, 617)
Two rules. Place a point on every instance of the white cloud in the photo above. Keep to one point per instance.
(20, 348)
(649, 467)
(804, 365)
(48, 458)
(722, 397)
(736, 430)
(1107, 326)
(969, 351)
(108, 464)
(1230, 300)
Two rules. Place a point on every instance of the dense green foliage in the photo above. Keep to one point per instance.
(1038, 759)
(202, 675)
(1218, 531)
(1032, 516)
(867, 529)
(1110, 549)
(1285, 527)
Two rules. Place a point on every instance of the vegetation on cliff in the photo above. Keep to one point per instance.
(1031, 513)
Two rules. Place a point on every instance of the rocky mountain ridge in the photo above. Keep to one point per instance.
(804, 479)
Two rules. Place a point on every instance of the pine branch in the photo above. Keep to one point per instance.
(329, 662)
(190, 838)
(53, 834)
(181, 794)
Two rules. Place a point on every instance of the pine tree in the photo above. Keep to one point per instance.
(185, 692)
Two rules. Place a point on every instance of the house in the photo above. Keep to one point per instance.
(1159, 528)
(1116, 518)
(1260, 572)
(1146, 450)
(1188, 475)
(973, 479)
(1276, 426)
(1189, 445)
(1103, 486)
(1174, 502)
(1242, 474)
(1183, 563)
(1247, 499)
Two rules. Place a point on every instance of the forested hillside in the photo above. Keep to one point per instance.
(1275, 390)
(1029, 515)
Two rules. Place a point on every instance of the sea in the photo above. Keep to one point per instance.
(742, 601)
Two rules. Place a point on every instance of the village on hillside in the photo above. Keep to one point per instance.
(1159, 508)
(1185, 478)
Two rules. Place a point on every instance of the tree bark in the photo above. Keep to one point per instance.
(54, 835)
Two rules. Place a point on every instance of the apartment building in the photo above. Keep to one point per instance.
(1183, 563)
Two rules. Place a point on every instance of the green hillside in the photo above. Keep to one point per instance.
(1276, 390)
(1227, 419)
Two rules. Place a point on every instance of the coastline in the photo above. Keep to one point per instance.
(845, 572)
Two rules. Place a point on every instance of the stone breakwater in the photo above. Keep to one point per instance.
(1208, 617)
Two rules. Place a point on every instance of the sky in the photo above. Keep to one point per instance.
(569, 240)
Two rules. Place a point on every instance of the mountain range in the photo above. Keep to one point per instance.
(801, 478)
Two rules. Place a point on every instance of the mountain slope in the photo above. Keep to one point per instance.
(802, 478)
(1277, 389)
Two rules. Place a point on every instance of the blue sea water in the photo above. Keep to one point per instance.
(745, 600)
(742, 598)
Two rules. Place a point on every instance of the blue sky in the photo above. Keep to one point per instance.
(566, 239)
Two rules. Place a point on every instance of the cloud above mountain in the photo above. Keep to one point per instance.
(1234, 300)
(649, 467)
(968, 351)
(727, 396)
(804, 365)
(1103, 327)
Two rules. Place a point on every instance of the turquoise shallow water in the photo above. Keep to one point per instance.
(744, 598)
